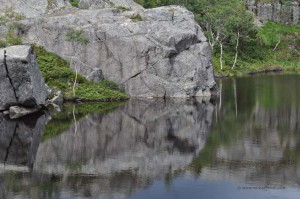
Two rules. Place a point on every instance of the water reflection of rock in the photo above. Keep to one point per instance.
(19, 141)
(147, 137)
(128, 148)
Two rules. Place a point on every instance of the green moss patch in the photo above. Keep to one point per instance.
(59, 75)
(74, 3)
(137, 17)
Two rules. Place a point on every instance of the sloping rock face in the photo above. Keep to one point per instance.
(31, 8)
(21, 81)
(287, 13)
(159, 52)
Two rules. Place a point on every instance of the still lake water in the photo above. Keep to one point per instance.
(245, 145)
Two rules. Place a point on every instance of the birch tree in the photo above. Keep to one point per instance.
(77, 38)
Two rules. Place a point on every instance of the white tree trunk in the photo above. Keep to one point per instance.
(236, 50)
(76, 75)
(277, 43)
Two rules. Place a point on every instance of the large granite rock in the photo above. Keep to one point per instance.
(21, 81)
(159, 52)
(287, 13)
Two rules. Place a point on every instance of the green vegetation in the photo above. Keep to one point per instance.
(10, 19)
(11, 37)
(123, 8)
(238, 45)
(136, 17)
(77, 36)
(11, 15)
(276, 46)
(61, 121)
(74, 3)
(58, 74)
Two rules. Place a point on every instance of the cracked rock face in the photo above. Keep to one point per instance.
(159, 52)
(288, 13)
(21, 81)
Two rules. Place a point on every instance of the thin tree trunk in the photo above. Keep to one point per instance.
(236, 50)
(76, 76)
(221, 56)
(75, 82)
(277, 43)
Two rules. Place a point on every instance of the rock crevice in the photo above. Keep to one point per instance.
(21, 80)
(8, 77)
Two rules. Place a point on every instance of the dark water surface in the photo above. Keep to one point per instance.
(245, 145)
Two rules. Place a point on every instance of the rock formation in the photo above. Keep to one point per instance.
(286, 13)
(21, 81)
(159, 52)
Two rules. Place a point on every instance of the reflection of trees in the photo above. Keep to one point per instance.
(257, 114)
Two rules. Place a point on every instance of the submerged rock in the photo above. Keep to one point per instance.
(21, 81)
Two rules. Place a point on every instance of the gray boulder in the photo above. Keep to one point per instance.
(159, 52)
(21, 81)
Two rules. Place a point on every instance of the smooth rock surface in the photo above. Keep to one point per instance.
(21, 81)
(31, 8)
